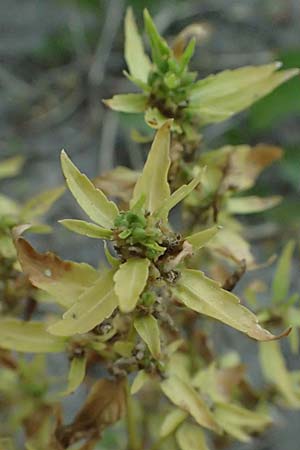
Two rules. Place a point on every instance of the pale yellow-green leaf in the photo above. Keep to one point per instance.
(239, 422)
(28, 337)
(205, 296)
(40, 204)
(76, 374)
(282, 277)
(172, 421)
(11, 167)
(186, 397)
(219, 96)
(8, 207)
(7, 248)
(191, 437)
(276, 372)
(179, 364)
(123, 348)
(86, 228)
(199, 239)
(130, 281)
(112, 260)
(140, 380)
(148, 329)
(231, 245)
(137, 61)
(177, 196)
(92, 200)
(153, 182)
(95, 305)
(130, 103)
(64, 280)
(252, 204)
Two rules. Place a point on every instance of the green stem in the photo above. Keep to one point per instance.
(133, 443)
(157, 445)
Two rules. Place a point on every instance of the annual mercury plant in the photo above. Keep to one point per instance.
(139, 331)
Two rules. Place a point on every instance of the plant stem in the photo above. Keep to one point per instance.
(133, 443)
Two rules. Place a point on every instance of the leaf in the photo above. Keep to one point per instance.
(76, 374)
(112, 260)
(64, 280)
(130, 281)
(199, 239)
(282, 278)
(231, 245)
(177, 196)
(8, 207)
(119, 182)
(11, 167)
(183, 395)
(148, 329)
(104, 406)
(130, 103)
(219, 96)
(191, 437)
(92, 307)
(159, 47)
(137, 61)
(28, 337)
(205, 296)
(251, 204)
(153, 182)
(87, 229)
(172, 421)
(275, 371)
(238, 421)
(141, 378)
(40, 204)
(92, 200)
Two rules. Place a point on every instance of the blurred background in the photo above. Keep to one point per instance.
(59, 58)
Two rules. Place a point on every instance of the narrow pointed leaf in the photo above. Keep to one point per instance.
(205, 296)
(191, 437)
(148, 329)
(239, 422)
(172, 421)
(95, 305)
(40, 204)
(130, 281)
(159, 46)
(153, 182)
(177, 196)
(183, 395)
(28, 337)
(252, 204)
(64, 280)
(141, 378)
(112, 260)
(137, 61)
(87, 229)
(219, 96)
(275, 371)
(76, 374)
(130, 103)
(92, 200)
(198, 240)
(282, 277)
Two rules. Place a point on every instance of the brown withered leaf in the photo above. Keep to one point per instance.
(64, 280)
(104, 406)
(118, 183)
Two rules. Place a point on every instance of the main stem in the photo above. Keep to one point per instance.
(133, 443)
